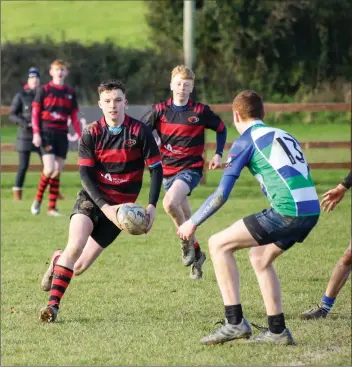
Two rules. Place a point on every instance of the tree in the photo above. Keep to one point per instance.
(273, 46)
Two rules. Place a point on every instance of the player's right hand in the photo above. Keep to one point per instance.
(37, 140)
(110, 211)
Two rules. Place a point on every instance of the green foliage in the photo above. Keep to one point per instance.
(272, 46)
(290, 51)
(145, 73)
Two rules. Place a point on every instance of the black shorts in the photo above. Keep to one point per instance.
(268, 226)
(104, 231)
(54, 143)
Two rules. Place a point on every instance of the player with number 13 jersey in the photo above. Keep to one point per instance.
(276, 160)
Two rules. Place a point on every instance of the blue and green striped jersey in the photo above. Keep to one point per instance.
(276, 160)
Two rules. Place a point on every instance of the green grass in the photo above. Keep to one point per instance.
(136, 304)
(302, 132)
(121, 21)
(328, 132)
(312, 156)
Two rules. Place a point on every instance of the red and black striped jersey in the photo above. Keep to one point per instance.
(182, 134)
(55, 104)
(118, 159)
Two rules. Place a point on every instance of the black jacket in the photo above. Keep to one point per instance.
(21, 114)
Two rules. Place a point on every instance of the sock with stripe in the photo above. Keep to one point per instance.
(61, 280)
(53, 192)
(43, 183)
(197, 250)
(234, 314)
(327, 303)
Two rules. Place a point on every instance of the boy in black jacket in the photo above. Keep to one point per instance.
(21, 114)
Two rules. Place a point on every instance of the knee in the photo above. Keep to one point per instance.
(48, 171)
(169, 204)
(257, 262)
(214, 246)
(55, 174)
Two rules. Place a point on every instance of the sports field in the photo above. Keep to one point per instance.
(119, 21)
(137, 306)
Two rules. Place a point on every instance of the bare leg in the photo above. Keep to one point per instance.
(48, 164)
(340, 274)
(90, 253)
(172, 204)
(221, 248)
(173, 200)
(269, 284)
(338, 279)
(187, 212)
(81, 227)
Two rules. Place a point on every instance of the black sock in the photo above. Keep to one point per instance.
(277, 323)
(234, 314)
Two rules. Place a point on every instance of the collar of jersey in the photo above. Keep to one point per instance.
(125, 121)
(189, 103)
(256, 122)
(61, 87)
(179, 108)
(251, 124)
(115, 130)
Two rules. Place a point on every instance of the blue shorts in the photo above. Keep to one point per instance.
(270, 227)
(190, 176)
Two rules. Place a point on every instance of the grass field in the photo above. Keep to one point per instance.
(302, 132)
(137, 306)
(121, 21)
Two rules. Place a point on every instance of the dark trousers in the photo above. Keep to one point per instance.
(23, 167)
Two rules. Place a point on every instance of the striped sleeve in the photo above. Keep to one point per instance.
(150, 150)
(37, 106)
(86, 154)
(212, 121)
(150, 118)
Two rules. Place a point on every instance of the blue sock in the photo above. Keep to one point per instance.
(327, 303)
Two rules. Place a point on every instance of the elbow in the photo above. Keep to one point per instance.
(157, 170)
(220, 197)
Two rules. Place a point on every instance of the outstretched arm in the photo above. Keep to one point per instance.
(332, 197)
(214, 202)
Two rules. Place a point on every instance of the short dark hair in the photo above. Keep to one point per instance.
(111, 85)
(249, 105)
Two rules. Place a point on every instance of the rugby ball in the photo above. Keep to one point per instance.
(132, 218)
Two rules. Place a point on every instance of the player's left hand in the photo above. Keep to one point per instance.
(332, 198)
(150, 211)
(186, 230)
(215, 162)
